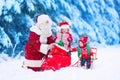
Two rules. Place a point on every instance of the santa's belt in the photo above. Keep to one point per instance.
(32, 63)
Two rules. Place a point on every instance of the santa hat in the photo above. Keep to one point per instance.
(64, 25)
(43, 20)
(83, 39)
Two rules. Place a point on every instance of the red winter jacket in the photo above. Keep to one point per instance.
(84, 52)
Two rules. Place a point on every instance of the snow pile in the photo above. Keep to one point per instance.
(105, 68)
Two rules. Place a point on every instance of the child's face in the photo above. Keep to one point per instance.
(80, 43)
(64, 30)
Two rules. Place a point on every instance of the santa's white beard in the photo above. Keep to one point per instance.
(44, 35)
(43, 39)
(46, 32)
(45, 29)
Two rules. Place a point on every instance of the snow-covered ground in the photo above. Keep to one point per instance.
(107, 67)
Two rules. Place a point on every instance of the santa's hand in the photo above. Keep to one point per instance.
(51, 46)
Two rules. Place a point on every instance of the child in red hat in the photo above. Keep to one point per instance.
(64, 38)
(84, 53)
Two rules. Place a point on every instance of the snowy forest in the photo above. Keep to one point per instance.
(98, 19)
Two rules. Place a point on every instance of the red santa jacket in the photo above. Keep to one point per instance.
(36, 49)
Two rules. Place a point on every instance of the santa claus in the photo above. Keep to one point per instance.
(40, 41)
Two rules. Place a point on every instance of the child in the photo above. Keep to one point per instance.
(64, 38)
(84, 53)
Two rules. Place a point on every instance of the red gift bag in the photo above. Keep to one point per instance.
(57, 59)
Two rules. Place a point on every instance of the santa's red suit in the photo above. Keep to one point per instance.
(37, 47)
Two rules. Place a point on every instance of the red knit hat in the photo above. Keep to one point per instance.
(83, 39)
(64, 25)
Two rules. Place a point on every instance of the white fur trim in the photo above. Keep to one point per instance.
(32, 63)
(36, 30)
(64, 27)
(46, 32)
(43, 18)
(44, 48)
(43, 39)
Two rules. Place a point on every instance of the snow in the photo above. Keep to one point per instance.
(1, 5)
(106, 67)
(4, 38)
